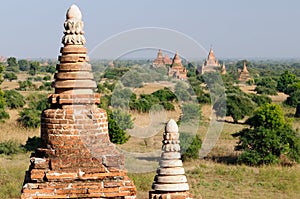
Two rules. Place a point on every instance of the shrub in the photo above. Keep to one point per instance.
(270, 138)
(190, 146)
(14, 99)
(10, 147)
(116, 134)
(30, 117)
(32, 143)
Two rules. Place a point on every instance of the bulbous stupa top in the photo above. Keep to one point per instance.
(73, 25)
(171, 127)
(74, 12)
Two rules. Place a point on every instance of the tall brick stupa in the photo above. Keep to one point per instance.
(170, 181)
(76, 159)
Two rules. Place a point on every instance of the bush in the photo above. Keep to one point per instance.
(190, 146)
(10, 147)
(14, 99)
(30, 117)
(191, 113)
(32, 143)
(116, 134)
(269, 139)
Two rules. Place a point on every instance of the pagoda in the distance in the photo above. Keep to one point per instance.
(177, 70)
(211, 64)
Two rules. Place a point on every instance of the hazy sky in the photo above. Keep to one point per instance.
(235, 28)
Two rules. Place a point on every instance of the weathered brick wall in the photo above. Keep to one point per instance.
(78, 160)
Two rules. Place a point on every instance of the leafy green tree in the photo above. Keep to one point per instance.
(266, 86)
(116, 134)
(26, 85)
(190, 146)
(23, 65)
(285, 79)
(293, 90)
(238, 106)
(3, 113)
(10, 76)
(12, 64)
(14, 99)
(269, 138)
(34, 68)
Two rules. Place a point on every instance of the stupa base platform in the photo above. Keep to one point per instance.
(169, 195)
(81, 185)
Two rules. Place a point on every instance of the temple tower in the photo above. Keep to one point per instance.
(244, 74)
(170, 181)
(177, 70)
(76, 159)
(161, 60)
(211, 64)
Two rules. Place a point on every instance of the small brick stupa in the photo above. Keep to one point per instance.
(76, 159)
(170, 181)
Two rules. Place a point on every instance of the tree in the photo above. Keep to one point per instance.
(12, 64)
(293, 90)
(268, 139)
(10, 76)
(266, 86)
(23, 65)
(285, 79)
(34, 68)
(238, 106)
(3, 113)
(116, 134)
(14, 99)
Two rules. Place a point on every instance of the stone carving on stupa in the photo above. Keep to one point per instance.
(76, 158)
(170, 181)
(177, 70)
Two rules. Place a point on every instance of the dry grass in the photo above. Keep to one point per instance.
(214, 177)
(11, 131)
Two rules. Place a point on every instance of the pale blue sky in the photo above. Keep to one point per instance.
(235, 28)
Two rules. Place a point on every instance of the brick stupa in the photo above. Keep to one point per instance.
(244, 74)
(76, 159)
(170, 181)
(177, 70)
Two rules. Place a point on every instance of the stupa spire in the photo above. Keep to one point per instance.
(170, 180)
(245, 67)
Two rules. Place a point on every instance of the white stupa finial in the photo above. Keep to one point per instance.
(171, 126)
(74, 33)
(74, 12)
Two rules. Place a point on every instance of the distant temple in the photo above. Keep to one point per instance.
(161, 60)
(177, 70)
(211, 64)
(244, 74)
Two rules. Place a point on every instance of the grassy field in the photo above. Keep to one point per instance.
(216, 176)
